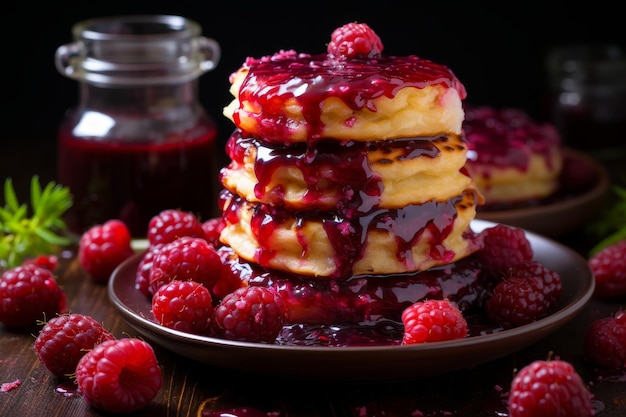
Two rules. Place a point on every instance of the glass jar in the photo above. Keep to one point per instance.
(138, 141)
(588, 96)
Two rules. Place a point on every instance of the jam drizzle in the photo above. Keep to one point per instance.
(274, 80)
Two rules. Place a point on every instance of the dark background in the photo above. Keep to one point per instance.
(497, 51)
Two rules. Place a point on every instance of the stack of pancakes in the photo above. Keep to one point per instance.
(349, 167)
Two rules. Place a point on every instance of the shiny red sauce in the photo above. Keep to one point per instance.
(311, 79)
(507, 137)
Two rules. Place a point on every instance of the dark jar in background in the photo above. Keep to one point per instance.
(588, 97)
(138, 141)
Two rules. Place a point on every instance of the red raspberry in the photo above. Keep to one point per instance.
(231, 276)
(549, 389)
(45, 261)
(212, 229)
(142, 278)
(183, 305)
(605, 341)
(186, 258)
(29, 293)
(504, 247)
(251, 314)
(609, 268)
(433, 321)
(171, 224)
(103, 247)
(355, 40)
(119, 376)
(64, 339)
(525, 295)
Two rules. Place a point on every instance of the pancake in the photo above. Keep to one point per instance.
(512, 158)
(290, 97)
(334, 174)
(341, 244)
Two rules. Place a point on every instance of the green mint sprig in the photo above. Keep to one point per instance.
(611, 226)
(27, 232)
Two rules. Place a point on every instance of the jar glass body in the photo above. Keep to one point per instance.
(129, 153)
(588, 96)
(138, 141)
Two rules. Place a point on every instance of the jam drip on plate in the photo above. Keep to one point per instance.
(365, 309)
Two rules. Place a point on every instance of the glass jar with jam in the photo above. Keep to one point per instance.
(588, 96)
(138, 141)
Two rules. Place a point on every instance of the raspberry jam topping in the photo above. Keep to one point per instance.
(336, 173)
(507, 137)
(365, 309)
(311, 79)
(408, 224)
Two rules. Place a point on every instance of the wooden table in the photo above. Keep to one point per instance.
(193, 389)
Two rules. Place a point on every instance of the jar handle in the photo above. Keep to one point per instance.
(211, 51)
(63, 58)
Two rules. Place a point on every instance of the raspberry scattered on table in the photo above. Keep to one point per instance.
(549, 388)
(609, 269)
(103, 247)
(119, 376)
(64, 339)
(29, 293)
(605, 341)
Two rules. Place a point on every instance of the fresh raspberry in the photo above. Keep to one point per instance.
(50, 262)
(525, 295)
(504, 247)
(605, 341)
(355, 40)
(142, 278)
(171, 224)
(119, 376)
(251, 314)
(64, 339)
(183, 305)
(212, 229)
(103, 247)
(549, 389)
(609, 269)
(433, 321)
(186, 258)
(230, 275)
(29, 293)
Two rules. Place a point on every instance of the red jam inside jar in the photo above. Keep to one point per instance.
(139, 140)
(133, 181)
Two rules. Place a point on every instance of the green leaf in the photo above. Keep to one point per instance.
(40, 231)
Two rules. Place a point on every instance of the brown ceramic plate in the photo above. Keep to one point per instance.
(362, 363)
(583, 189)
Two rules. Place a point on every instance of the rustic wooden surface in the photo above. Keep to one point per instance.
(193, 389)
